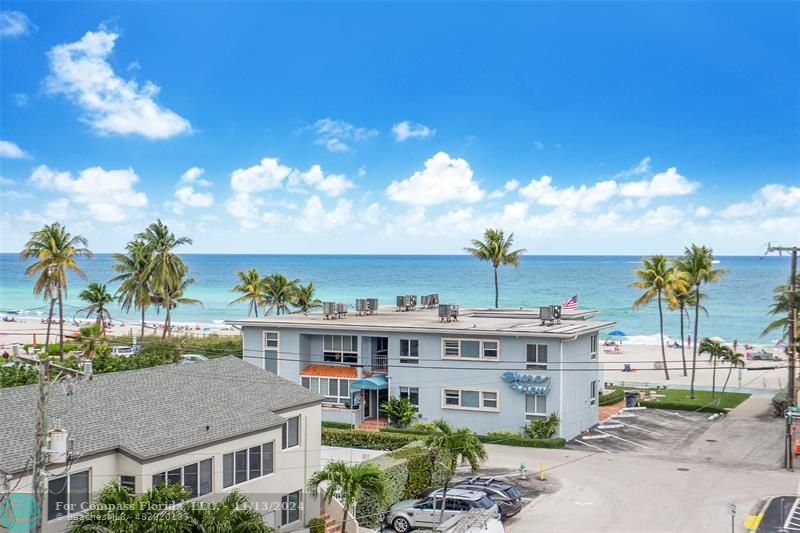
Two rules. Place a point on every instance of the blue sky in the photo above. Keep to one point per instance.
(403, 128)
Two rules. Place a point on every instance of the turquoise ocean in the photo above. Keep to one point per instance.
(737, 307)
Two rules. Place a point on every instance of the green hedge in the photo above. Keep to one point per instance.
(336, 425)
(780, 403)
(515, 440)
(680, 406)
(316, 525)
(420, 468)
(616, 395)
(374, 440)
(368, 510)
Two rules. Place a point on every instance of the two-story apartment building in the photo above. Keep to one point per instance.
(214, 426)
(490, 370)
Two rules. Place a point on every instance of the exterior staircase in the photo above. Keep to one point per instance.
(373, 424)
(331, 525)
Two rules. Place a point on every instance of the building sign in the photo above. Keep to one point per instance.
(527, 383)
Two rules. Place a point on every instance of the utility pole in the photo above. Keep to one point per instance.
(791, 352)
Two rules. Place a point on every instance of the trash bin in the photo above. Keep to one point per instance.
(631, 399)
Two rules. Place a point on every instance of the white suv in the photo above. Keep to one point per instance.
(427, 512)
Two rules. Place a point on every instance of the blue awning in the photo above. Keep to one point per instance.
(376, 382)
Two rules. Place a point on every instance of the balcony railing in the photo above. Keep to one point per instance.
(380, 363)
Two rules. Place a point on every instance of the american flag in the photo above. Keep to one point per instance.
(571, 303)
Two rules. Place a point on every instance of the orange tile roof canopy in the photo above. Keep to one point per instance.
(330, 371)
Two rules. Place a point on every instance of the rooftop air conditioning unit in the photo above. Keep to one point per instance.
(373, 305)
(546, 314)
(433, 299)
(362, 306)
(425, 301)
(341, 310)
(402, 303)
(448, 312)
(412, 301)
(329, 309)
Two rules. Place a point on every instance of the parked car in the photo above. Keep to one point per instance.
(406, 515)
(124, 351)
(507, 497)
(193, 358)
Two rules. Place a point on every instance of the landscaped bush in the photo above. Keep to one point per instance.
(542, 429)
(525, 442)
(54, 348)
(368, 511)
(316, 525)
(374, 440)
(336, 425)
(423, 427)
(616, 395)
(500, 435)
(400, 411)
(420, 468)
(18, 374)
(780, 403)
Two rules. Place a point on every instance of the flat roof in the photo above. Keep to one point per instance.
(503, 322)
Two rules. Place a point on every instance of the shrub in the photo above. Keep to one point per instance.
(681, 406)
(336, 425)
(368, 510)
(374, 440)
(423, 427)
(499, 435)
(18, 374)
(400, 411)
(780, 403)
(420, 468)
(525, 442)
(316, 525)
(542, 429)
(615, 396)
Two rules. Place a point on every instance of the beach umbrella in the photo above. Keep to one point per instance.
(617, 333)
(716, 339)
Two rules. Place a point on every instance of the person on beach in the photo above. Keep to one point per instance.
(688, 341)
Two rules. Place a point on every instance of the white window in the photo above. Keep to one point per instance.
(535, 406)
(291, 433)
(536, 356)
(67, 495)
(335, 390)
(290, 508)
(197, 477)
(409, 351)
(593, 392)
(593, 347)
(340, 348)
(476, 349)
(271, 350)
(412, 393)
(249, 463)
(471, 399)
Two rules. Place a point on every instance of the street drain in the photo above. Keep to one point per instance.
(683, 469)
(711, 440)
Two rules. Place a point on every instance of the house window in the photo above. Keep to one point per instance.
(129, 483)
(290, 508)
(475, 349)
(593, 347)
(67, 495)
(335, 390)
(197, 477)
(246, 464)
(471, 399)
(340, 348)
(536, 356)
(412, 393)
(271, 349)
(593, 392)
(535, 406)
(291, 433)
(409, 351)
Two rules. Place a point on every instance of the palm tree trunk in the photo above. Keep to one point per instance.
(713, 375)
(661, 329)
(444, 497)
(61, 324)
(142, 323)
(49, 323)
(730, 369)
(496, 290)
(345, 510)
(683, 344)
(694, 347)
(167, 321)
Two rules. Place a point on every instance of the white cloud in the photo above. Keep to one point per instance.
(109, 195)
(444, 179)
(192, 177)
(769, 198)
(335, 135)
(12, 151)
(362, 171)
(268, 174)
(21, 99)
(406, 130)
(667, 183)
(15, 24)
(642, 167)
(583, 198)
(331, 184)
(187, 196)
(57, 209)
(702, 212)
(539, 145)
(315, 218)
(6, 181)
(373, 213)
(509, 186)
(111, 104)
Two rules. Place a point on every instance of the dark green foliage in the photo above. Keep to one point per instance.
(400, 411)
(681, 406)
(616, 395)
(542, 429)
(369, 508)
(508, 438)
(423, 427)
(336, 425)
(780, 403)
(374, 440)
(420, 468)
(316, 525)
(500, 435)
(53, 349)
(18, 374)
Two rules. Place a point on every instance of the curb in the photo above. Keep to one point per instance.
(753, 520)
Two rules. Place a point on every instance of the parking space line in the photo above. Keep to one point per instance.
(653, 421)
(624, 440)
(641, 429)
(595, 447)
(791, 517)
(676, 414)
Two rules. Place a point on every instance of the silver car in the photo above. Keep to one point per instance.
(427, 512)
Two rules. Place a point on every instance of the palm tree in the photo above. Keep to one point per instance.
(715, 351)
(781, 304)
(734, 359)
(98, 299)
(684, 299)
(172, 297)
(279, 293)
(349, 483)
(132, 269)
(659, 281)
(252, 289)
(698, 264)
(55, 251)
(496, 248)
(233, 514)
(166, 269)
(90, 339)
(304, 299)
(458, 446)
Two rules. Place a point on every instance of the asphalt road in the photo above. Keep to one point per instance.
(782, 512)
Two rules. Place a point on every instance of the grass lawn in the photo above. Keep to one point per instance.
(679, 399)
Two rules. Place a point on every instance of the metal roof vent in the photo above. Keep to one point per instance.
(407, 302)
(448, 312)
(341, 310)
(362, 306)
(329, 309)
(373, 305)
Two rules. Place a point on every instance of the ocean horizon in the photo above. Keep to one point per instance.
(737, 307)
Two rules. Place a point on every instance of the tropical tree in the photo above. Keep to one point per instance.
(251, 287)
(349, 483)
(304, 299)
(400, 411)
(55, 251)
(91, 338)
(458, 446)
(170, 299)
(98, 299)
(734, 360)
(716, 352)
(279, 293)
(781, 305)
(233, 514)
(698, 264)
(166, 270)
(496, 249)
(134, 291)
(683, 301)
(658, 281)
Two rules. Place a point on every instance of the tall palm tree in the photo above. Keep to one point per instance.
(279, 293)
(735, 360)
(50, 293)
(55, 251)
(170, 299)
(90, 338)
(349, 483)
(658, 281)
(166, 269)
(716, 352)
(781, 303)
(684, 299)
(496, 249)
(98, 299)
(251, 287)
(458, 446)
(304, 299)
(134, 291)
(698, 264)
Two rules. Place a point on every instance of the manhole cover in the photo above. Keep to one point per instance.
(683, 469)
(711, 440)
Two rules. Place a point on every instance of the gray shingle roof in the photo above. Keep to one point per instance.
(152, 412)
